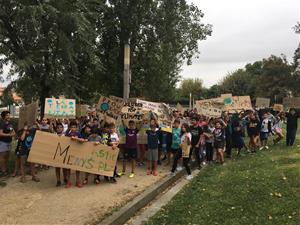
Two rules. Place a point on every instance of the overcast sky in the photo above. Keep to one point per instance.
(243, 32)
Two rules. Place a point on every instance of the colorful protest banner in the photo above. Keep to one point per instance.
(206, 106)
(60, 108)
(278, 107)
(28, 114)
(110, 107)
(227, 99)
(239, 103)
(52, 150)
(262, 103)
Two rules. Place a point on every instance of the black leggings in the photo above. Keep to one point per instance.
(177, 156)
(209, 151)
(290, 137)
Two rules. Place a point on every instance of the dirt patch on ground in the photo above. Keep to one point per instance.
(43, 203)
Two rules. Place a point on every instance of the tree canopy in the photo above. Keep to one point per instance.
(76, 48)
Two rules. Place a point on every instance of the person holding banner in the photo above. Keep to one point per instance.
(60, 132)
(114, 142)
(6, 135)
(184, 151)
(130, 151)
(76, 136)
(25, 139)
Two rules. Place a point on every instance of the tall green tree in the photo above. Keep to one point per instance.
(192, 86)
(50, 45)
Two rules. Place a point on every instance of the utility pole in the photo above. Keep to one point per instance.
(190, 100)
(126, 78)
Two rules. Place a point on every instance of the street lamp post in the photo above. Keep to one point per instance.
(126, 78)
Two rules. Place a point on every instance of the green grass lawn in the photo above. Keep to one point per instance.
(263, 188)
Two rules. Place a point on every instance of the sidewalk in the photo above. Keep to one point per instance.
(43, 203)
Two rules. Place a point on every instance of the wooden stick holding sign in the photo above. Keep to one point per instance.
(50, 149)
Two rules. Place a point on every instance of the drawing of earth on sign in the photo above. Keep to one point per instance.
(227, 101)
(104, 106)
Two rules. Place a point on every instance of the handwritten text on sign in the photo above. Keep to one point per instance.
(61, 108)
(52, 150)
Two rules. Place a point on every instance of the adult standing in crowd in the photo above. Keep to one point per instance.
(6, 135)
(291, 126)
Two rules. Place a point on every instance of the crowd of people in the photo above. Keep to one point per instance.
(193, 138)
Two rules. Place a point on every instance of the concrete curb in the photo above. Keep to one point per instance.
(126, 212)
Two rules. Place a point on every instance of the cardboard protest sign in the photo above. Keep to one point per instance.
(210, 112)
(278, 107)
(155, 107)
(28, 114)
(50, 149)
(82, 110)
(60, 108)
(262, 102)
(180, 108)
(185, 150)
(291, 102)
(110, 107)
(132, 111)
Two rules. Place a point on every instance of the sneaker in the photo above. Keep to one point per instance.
(172, 174)
(131, 175)
(261, 148)
(113, 180)
(79, 185)
(179, 168)
(68, 185)
(189, 177)
(203, 163)
(121, 174)
(267, 147)
(58, 183)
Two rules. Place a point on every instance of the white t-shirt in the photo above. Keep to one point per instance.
(114, 138)
(188, 135)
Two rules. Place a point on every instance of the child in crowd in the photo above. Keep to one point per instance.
(152, 154)
(265, 131)
(130, 151)
(209, 138)
(196, 132)
(114, 143)
(219, 140)
(277, 128)
(60, 132)
(76, 136)
(237, 136)
(253, 130)
(25, 139)
(176, 141)
(142, 147)
(185, 142)
(96, 139)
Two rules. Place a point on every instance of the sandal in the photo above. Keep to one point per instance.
(85, 181)
(96, 181)
(36, 179)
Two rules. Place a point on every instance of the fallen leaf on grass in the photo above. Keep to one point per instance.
(270, 217)
(284, 178)
(290, 217)
(277, 194)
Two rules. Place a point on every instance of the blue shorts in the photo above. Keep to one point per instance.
(264, 136)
